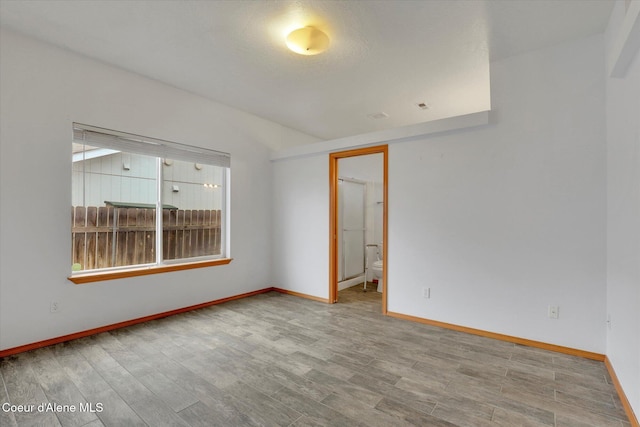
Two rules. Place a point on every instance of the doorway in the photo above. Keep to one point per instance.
(334, 205)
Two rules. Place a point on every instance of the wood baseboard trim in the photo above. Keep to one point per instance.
(301, 295)
(623, 397)
(530, 343)
(82, 334)
(537, 344)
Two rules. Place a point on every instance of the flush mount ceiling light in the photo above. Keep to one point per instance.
(307, 41)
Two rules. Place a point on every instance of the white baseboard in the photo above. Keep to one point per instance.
(350, 282)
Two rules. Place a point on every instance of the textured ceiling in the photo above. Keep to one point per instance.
(385, 56)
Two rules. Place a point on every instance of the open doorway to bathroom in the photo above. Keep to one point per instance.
(358, 220)
(354, 200)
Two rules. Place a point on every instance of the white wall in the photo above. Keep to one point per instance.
(500, 221)
(300, 245)
(623, 219)
(44, 89)
(504, 221)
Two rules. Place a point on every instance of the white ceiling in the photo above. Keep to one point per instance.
(385, 56)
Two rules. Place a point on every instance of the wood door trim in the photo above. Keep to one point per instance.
(333, 216)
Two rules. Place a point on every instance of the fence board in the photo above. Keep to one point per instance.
(216, 230)
(103, 250)
(200, 234)
(98, 244)
(91, 237)
(121, 222)
(206, 232)
(168, 237)
(79, 239)
(150, 236)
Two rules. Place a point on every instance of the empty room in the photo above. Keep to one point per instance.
(307, 213)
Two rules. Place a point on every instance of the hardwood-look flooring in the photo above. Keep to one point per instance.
(280, 360)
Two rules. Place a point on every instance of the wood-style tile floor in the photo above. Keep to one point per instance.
(275, 359)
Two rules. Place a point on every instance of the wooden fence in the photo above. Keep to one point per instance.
(114, 237)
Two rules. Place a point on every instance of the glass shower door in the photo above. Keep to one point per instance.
(351, 207)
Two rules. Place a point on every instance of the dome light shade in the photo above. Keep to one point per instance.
(307, 41)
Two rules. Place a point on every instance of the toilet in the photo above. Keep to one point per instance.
(377, 268)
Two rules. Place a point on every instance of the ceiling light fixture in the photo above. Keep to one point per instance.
(307, 41)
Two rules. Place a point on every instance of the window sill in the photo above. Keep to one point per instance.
(121, 274)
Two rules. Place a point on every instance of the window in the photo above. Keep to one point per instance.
(144, 202)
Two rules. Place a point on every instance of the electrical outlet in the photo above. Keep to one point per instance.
(554, 311)
(426, 293)
(55, 306)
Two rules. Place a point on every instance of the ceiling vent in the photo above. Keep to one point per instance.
(423, 105)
